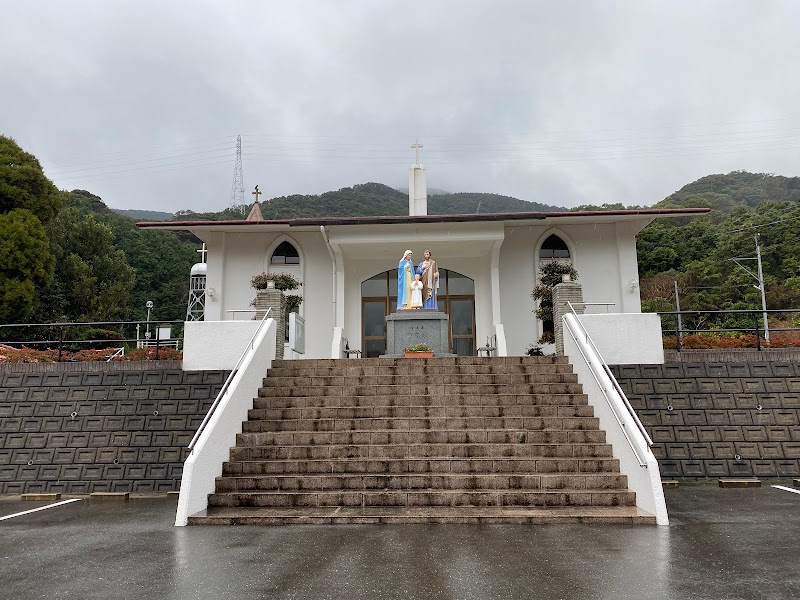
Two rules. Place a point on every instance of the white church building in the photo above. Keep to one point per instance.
(488, 265)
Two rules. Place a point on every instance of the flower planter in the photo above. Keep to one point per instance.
(427, 354)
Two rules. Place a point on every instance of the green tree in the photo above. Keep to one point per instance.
(26, 264)
(27, 200)
(23, 183)
(93, 276)
(162, 259)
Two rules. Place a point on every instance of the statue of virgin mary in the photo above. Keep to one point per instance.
(405, 275)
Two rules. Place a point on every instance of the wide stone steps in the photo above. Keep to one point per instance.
(431, 465)
(420, 412)
(389, 401)
(454, 498)
(449, 481)
(405, 515)
(398, 451)
(388, 437)
(421, 440)
(431, 368)
(413, 380)
(427, 424)
(420, 389)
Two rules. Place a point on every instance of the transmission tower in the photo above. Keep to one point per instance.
(237, 188)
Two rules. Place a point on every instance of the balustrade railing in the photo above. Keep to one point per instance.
(723, 322)
(85, 335)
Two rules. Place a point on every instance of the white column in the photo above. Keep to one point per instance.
(417, 191)
(630, 300)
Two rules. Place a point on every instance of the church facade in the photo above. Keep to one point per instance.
(488, 266)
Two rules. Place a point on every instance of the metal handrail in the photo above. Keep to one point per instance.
(227, 384)
(117, 352)
(62, 327)
(681, 332)
(617, 388)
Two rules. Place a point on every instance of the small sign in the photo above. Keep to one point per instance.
(297, 333)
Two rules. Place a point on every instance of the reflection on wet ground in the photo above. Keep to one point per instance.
(721, 543)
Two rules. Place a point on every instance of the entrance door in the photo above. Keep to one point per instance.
(461, 310)
(373, 315)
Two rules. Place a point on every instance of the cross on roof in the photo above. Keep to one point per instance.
(257, 193)
(203, 253)
(417, 146)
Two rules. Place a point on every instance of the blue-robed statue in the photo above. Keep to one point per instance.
(430, 281)
(405, 275)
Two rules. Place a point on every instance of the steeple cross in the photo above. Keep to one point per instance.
(257, 193)
(203, 253)
(417, 146)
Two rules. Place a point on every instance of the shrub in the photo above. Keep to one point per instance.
(418, 348)
(283, 281)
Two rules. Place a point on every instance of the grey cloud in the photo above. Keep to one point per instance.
(564, 103)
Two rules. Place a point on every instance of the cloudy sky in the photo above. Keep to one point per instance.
(565, 103)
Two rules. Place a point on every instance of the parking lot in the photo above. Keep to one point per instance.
(721, 543)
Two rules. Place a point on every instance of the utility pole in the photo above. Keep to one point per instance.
(760, 279)
(761, 287)
(678, 310)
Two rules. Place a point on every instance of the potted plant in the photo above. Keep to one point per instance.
(418, 351)
(279, 281)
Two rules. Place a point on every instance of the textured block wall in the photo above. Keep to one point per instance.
(719, 419)
(105, 431)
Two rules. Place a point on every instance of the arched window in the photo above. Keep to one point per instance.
(285, 254)
(553, 248)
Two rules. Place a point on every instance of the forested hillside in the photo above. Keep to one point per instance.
(65, 256)
(68, 256)
(373, 199)
(697, 252)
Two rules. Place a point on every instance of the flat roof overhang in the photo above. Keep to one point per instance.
(525, 218)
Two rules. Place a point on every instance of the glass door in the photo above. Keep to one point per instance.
(373, 314)
(461, 310)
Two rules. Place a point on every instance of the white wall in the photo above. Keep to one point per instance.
(626, 338)
(602, 262)
(246, 254)
(210, 345)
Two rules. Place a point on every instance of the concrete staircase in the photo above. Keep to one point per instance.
(441, 440)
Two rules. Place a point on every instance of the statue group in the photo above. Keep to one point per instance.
(417, 287)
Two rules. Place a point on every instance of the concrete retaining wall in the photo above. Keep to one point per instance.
(114, 430)
(711, 420)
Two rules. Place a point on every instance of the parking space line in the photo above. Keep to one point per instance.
(786, 489)
(33, 510)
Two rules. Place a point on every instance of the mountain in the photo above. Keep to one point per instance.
(374, 199)
(144, 215)
(431, 191)
(735, 190)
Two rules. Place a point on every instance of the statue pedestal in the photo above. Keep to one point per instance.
(408, 327)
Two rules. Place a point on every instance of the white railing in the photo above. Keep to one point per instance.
(211, 445)
(117, 352)
(227, 384)
(631, 413)
(624, 429)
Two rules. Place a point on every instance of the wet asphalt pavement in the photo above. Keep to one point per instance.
(721, 543)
